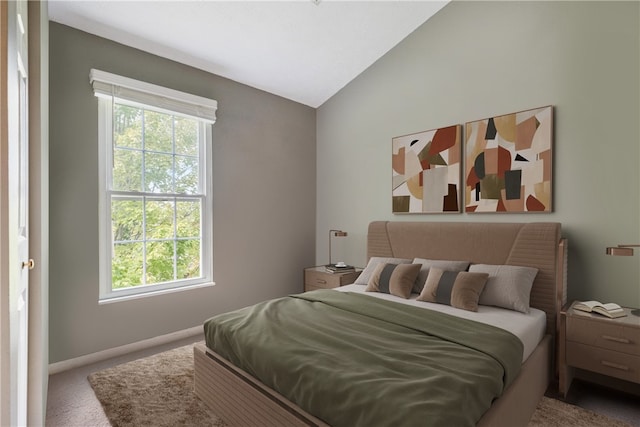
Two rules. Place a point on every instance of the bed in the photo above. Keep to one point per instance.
(241, 399)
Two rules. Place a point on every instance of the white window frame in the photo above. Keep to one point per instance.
(111, 89)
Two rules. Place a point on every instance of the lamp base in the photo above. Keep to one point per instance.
(636, 312)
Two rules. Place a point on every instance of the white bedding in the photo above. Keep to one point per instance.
(529, 328)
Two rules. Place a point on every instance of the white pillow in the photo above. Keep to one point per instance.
(437, 263)
(509, 286)
(363, 278)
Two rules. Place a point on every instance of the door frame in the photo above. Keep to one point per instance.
(38, 212)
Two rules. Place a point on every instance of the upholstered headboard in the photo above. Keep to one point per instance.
(538, 245)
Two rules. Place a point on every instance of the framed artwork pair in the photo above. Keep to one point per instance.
(506, 166)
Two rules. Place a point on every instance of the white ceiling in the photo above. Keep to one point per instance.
(297, 49)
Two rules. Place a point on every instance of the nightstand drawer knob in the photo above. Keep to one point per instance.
(616, 339)
(322, 282)
(614, 365)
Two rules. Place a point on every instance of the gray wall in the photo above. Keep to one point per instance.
(264, 198)
(473, 60)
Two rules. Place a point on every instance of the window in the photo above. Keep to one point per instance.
(155, 187)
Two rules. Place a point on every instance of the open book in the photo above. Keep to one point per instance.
(610, 310)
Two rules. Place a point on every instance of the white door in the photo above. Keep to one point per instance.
(15, 193)
(20, 326)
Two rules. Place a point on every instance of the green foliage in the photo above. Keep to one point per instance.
(126, 265)
(154, 153)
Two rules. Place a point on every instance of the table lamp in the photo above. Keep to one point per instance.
(335, 233)
(624, 250)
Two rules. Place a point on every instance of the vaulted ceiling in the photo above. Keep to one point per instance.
(302, 50)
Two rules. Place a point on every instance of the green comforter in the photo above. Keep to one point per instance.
(354, 360)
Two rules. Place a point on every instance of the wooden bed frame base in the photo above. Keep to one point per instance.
(241, 400)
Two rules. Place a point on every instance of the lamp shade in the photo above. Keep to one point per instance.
(621, 250)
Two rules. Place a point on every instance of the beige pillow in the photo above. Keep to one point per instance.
(394, 279)
(509, 286)
(460, 289)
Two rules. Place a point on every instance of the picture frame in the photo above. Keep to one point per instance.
(508, 163)
(426, 171)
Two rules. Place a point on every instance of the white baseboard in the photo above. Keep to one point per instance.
(65, 365)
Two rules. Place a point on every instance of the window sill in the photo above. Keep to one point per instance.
(115, 299)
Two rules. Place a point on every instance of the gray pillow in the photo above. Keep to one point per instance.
(363, 278)
(509, 286)
(438, 263)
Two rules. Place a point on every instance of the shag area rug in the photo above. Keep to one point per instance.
(153, 391)
(158, 391)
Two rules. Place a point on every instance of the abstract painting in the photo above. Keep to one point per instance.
(426, 171)
(508, 162)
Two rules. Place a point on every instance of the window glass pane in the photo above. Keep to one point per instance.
(159, 262)
(188, 218)
(158, 132)
(188, 259)
(186, 136)
(126, 265)
(127, 126)
(186, 175)
(127, 170)
(126, 219)
(159, 219)
(158, 177)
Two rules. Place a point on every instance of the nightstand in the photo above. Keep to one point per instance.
(598, 344)
(319, 278)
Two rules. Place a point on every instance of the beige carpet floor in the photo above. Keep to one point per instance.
(158, 391)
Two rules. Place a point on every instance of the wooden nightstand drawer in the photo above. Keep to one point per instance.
(604, 334)
(321, 279)
(607, 362)
(318, 278)
(308, 288)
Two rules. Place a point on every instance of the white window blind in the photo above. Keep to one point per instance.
(114, 86)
